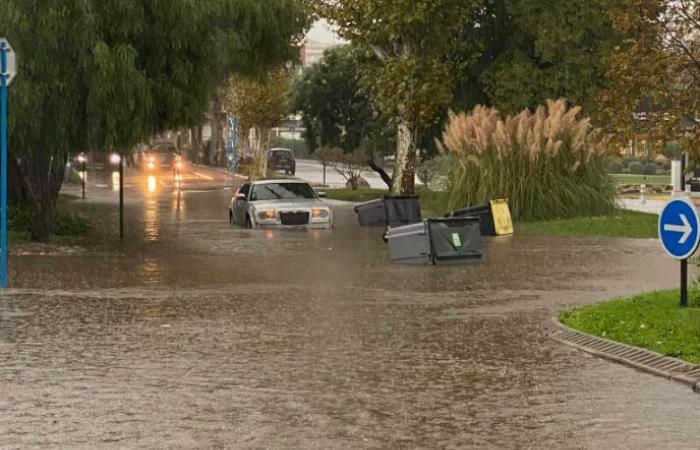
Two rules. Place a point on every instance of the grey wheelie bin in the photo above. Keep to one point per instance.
(402, 210)
(371, 214)
(436, 241)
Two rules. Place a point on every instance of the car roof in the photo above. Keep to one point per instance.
(278, 181)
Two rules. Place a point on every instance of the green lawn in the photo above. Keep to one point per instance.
(624, 224)
(653, 321)
(359, 195)
(639, 179)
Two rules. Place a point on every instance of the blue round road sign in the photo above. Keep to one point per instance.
(678, 228)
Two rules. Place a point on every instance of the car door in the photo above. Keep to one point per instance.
(240, 205)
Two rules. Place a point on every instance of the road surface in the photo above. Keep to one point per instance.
(193, 334)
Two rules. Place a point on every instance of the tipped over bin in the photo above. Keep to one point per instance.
(392, 210)
(371, 214)
(436, 241)
(494, 217)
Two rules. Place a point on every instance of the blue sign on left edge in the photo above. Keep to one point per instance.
(678, 228)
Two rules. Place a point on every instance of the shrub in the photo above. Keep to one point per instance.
(21, 219)
(636, 168)
(615, 167)
(549, 163)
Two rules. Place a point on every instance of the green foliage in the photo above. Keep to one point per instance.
(619, 224)
(106, 74)
(297, 146)
(529, 51)
(258, 102)
(615, 167)
(21, 219)
(652, 320)
(336, 110)
(643, 168)
(636, 168)
(549, 163)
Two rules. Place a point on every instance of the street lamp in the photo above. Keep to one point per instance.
(82, 159)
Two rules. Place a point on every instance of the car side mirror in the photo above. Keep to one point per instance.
(240, 196)
(322, 194)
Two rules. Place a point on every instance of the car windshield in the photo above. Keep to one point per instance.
(281, 153)
(282, 191)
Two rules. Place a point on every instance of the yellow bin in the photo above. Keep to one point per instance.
(502, 222)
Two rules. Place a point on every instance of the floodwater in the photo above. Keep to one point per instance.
(192, 334)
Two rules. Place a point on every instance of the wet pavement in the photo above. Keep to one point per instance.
(191, 333)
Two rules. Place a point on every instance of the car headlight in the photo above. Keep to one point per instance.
(151, 165)
(320, 213)
(268, 214)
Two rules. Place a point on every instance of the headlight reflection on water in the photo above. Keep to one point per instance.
(151, 183)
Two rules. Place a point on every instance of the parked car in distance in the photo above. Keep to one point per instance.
(282, 159)
(159, 157)
(279, 204)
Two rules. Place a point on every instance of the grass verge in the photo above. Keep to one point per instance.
(433, 203)
(623, 224)
(653, 321)
(639, 179)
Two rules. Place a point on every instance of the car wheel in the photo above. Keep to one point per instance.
(230, 217)
(248, 222)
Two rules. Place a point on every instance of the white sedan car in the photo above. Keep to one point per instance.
(279, 204)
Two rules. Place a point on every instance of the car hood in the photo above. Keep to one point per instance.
(288, 204)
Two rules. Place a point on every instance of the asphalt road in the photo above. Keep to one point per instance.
(193, 334)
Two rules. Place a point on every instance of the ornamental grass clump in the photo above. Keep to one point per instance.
(549, 164)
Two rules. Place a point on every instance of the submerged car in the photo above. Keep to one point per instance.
(282, 159)
(279, 204)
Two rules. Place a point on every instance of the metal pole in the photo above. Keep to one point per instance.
(3, 162)
(121, 196)
(684, 262)
(83, 177)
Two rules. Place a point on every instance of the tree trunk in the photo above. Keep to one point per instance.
(382, 173)
(217, 126)
(405, 165)
(44, 182)
(259, 143)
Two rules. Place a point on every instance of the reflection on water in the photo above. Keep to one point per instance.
(115, 181)
(151, 183)
(151, 226)
(83, 176)
(270, 235)
(151, 272)
(179, 202)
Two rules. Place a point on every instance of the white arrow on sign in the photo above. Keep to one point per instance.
(686, 229)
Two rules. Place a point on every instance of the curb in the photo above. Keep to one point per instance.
(635, 357)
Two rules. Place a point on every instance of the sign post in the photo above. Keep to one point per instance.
(679, 231)
(8, 70)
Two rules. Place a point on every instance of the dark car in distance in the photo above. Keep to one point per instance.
(282, 159)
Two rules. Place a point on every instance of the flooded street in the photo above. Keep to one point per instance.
(192, 333)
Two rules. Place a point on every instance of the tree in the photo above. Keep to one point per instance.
(336, 110)
(522, 52)
(260, 104)
(414, 78)
(123, 70)
(654, 71)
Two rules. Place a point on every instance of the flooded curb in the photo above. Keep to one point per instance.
(635, 357)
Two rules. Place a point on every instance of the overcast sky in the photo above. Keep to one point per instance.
(321, 32)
